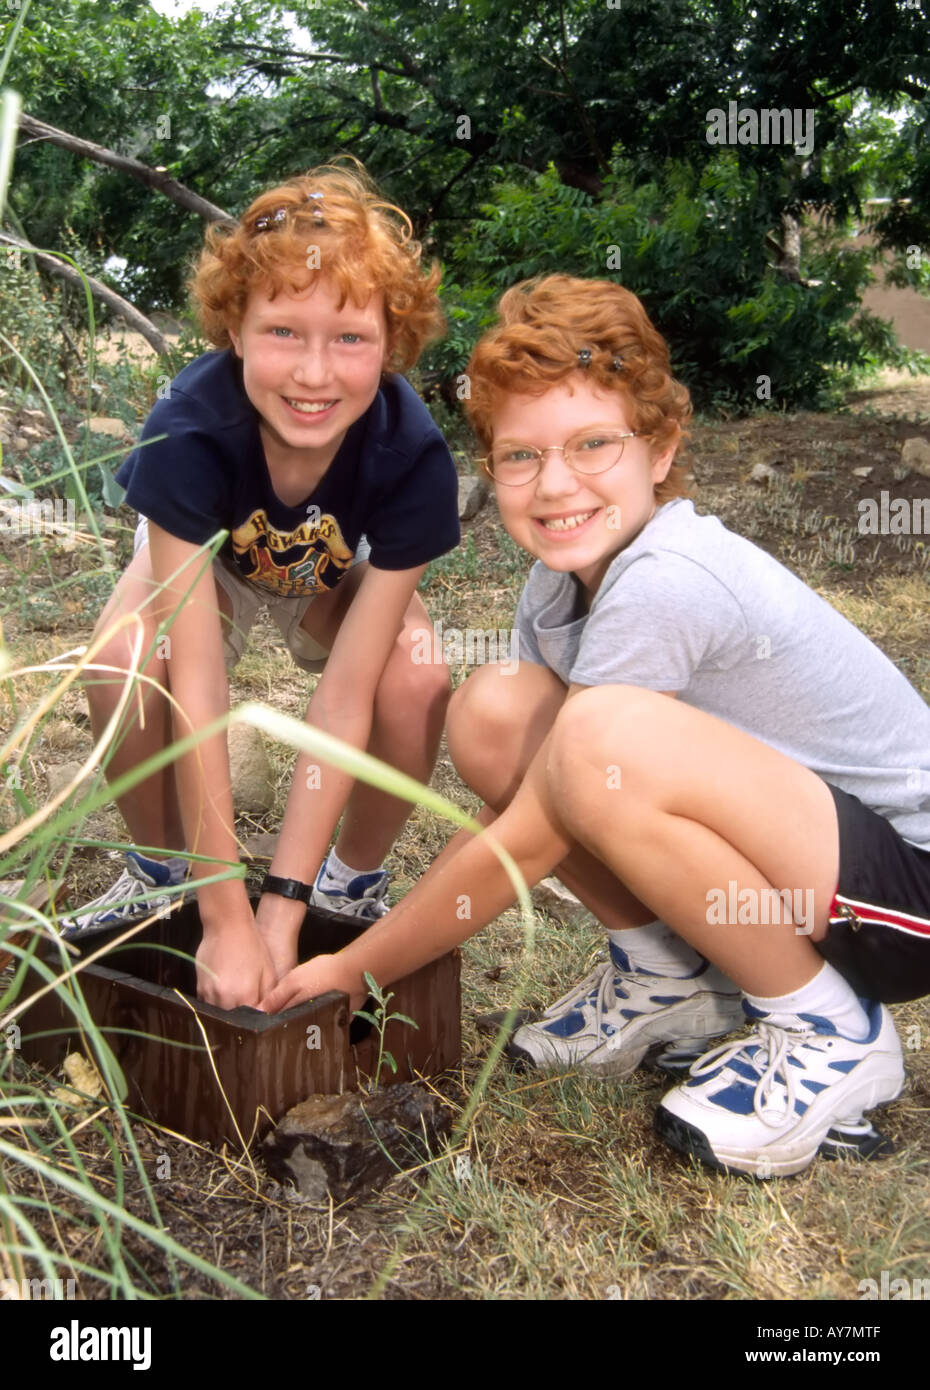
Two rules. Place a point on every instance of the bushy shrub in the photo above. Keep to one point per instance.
(692, 245)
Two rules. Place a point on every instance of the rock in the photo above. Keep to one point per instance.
(252, 778)
(60, 775)
(762, 473)
(109, 424)
(350, 1145)
(552, 896)
(473, 493)
(21, 444)
(36, 417)
(84, 1076)
(863, 472)
(916, 454)
(31, 434)
(260, 845)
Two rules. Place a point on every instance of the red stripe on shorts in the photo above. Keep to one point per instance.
(844, 909)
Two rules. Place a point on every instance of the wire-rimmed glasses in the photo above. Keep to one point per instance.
(589, 451)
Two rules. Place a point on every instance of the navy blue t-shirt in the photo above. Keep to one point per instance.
(392, 479)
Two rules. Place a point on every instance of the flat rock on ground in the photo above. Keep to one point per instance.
(351, 1145)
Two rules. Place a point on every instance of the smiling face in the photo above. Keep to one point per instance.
(572, 522)
(310, 369)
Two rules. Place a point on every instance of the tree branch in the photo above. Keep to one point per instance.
(120, 306)
(157, 179)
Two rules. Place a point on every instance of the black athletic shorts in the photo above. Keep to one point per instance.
(879, 933)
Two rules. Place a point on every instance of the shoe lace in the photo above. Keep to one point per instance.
(128, 887)
(776, 1044)
(592, 984)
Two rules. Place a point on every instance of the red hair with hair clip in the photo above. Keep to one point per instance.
(551, 328)
(362, 244)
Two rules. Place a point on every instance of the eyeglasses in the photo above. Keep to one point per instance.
(588, 451)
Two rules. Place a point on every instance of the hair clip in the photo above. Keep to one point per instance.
(271, 219)
(617, 364)
(274, 219)
(584, 357)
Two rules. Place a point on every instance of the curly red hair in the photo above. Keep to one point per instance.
(543, 325)
(364, 245)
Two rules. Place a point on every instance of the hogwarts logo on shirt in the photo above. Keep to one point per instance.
(304, 561)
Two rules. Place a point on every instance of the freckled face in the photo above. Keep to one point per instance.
(310, 368)
(576, 522)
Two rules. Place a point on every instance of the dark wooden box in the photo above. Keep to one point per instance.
(265, 1062)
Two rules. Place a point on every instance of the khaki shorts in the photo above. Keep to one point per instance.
(247, 602)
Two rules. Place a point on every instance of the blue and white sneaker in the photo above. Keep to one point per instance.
(765, 1103)
(134, 896)
(608, 1022)
(363, 896)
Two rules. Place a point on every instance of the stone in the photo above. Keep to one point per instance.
(31, 434)
(916, 454)
(473, 493)
(348, 1146)
(260, 845)
(61, 775)
(84, 1077)
(863, 472)
(550, 895)
(252, 777)
(109, 424)
(762, 473)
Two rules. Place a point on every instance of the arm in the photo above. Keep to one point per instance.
(231, 947)
(431, 919)
(343, 705)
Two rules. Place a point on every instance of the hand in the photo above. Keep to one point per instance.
(242, 970)
(309, 981)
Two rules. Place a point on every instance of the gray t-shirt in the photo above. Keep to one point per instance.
(690, 607)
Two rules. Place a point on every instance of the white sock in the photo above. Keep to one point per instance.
(338, 874)
(827, 995)
(656, 948)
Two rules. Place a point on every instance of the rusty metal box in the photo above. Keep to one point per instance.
(142, 996)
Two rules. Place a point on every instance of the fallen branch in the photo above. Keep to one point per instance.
(159, 179)
(116, 302)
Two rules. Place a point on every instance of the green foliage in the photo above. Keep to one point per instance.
(380, 1020)
(692, 245)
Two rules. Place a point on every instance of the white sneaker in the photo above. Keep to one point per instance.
(608, 1022)
(134, 896)
(363, 896)
(764, 1104)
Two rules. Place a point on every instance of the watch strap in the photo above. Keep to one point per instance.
(288, 888)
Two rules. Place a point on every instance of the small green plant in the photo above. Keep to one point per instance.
(380, 1020)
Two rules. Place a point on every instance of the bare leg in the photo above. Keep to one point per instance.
(496, 725)
(150, 808)
(701, 805)
(409, 712)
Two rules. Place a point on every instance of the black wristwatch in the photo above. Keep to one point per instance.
(288, 888)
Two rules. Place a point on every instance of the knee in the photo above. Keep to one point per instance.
(407, 685)
(600, 736)
(130, 649)
(496, 722)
